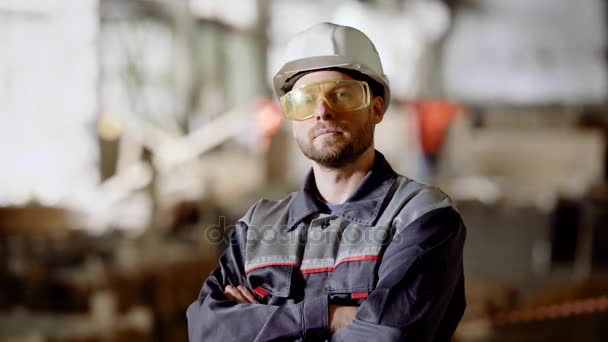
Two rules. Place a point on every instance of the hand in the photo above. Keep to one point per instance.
(239, 294)
(341, 316)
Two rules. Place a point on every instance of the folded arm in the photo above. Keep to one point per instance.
(220, 316)
(420, 278)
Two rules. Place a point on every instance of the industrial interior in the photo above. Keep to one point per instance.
(135, 133)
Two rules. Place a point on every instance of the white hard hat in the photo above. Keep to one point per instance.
(328, 45)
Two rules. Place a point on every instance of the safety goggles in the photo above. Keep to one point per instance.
(342, 96)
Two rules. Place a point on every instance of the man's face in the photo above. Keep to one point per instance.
(332, 138)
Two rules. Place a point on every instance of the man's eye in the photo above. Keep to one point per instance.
(302, 97)
(341, 95)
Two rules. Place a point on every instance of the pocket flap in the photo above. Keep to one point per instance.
(353, 274)
(275, 279)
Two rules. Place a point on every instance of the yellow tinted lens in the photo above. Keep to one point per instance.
(299, 104)
(348, 95)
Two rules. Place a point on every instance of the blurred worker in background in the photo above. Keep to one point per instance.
(360, 253)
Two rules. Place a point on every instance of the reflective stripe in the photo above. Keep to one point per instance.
(271, 264)
(330, 269)
(317, 270)
(358, 258)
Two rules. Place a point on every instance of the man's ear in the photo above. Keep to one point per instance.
(377, 107)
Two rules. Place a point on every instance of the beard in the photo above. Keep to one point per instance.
(340, 149)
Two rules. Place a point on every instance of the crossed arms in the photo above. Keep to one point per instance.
(420, 278)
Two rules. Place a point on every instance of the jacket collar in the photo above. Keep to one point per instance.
(362, 207)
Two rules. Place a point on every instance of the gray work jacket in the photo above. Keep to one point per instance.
(394, 249)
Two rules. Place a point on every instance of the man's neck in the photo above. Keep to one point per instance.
(336, 185)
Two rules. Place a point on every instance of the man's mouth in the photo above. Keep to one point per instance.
(328, 131)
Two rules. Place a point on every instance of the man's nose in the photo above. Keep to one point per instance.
(324, 112)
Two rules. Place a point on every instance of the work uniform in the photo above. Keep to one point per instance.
(394, 249)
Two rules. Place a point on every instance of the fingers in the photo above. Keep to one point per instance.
(341, 316)
(229, 296)
(245, 292)
(352, 312)
(239, 294)
(232, 293)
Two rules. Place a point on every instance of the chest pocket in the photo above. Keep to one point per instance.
(271, 263)
(272, 282)
(355, 272)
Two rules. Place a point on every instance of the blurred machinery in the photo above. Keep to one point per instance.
(121, 259)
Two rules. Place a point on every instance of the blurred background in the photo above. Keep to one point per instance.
(134, 133)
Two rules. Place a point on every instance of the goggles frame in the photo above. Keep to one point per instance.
(322, 96)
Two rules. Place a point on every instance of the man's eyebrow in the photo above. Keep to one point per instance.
(339, 87)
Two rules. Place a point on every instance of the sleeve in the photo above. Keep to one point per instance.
(420, 279)
(214, 318)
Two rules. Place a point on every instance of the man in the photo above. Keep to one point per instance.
(360, 253)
